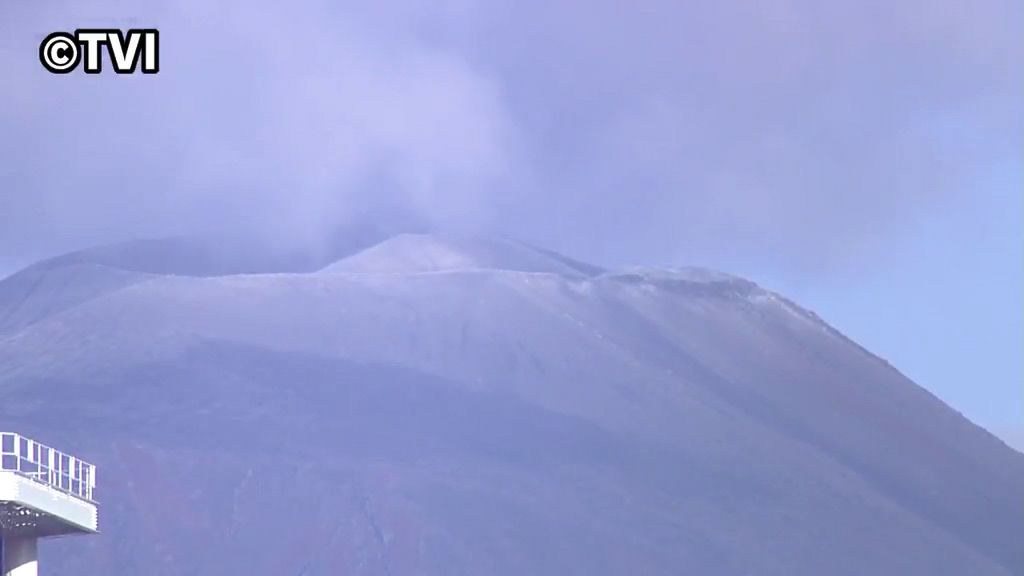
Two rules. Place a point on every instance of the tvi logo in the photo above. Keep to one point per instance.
(61, 52)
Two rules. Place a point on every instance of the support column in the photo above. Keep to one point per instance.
(20, 556)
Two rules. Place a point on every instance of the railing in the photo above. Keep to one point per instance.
(46, 465)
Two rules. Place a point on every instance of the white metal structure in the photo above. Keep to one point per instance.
(43, 492)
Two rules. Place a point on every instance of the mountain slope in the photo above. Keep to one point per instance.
(439, 406)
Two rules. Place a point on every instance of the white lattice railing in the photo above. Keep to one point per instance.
(46, 465)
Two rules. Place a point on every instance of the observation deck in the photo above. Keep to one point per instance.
(43, 492)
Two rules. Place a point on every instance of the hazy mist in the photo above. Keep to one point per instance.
(794, 133)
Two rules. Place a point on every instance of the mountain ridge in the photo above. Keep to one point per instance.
(735, 415)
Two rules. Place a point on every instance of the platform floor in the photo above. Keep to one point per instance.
(32, 509)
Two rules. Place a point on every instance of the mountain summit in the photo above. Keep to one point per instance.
(434, 404)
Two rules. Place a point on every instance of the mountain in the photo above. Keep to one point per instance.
(445, 405)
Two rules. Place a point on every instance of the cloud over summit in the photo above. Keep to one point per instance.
(794, 132)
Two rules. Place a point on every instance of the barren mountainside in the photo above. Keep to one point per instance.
(439, 405)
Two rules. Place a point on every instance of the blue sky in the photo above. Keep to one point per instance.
(864, 158)
(945, 302)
